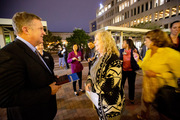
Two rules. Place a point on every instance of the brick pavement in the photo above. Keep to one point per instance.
(71, 107)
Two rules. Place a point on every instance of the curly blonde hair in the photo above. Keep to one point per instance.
(160, 38)
(109, 45)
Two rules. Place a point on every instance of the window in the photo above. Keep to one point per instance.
(156, 16)
(167, 0)
(150, 17)
(125, 15)
(173, 13)
(150, 4)
(146, 18)
(134, 22)
(119, 8)
(179, 9)
(117, 19)
(134, 11)
(142, 8)
(105, 8)
(112, 3)
(131, 23)
(167, 13)
(146, 6)
(131, 12)
(166, 26)
(161, 2)
(142, 20)
(138, 9)
(161, 15)
(138, 21)
(156, 3)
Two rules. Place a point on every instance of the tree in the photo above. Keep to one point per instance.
(49, 38)
(79, 37)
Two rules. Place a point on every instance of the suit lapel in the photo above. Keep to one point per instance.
(31, 53)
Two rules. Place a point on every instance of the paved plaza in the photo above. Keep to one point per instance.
(71, 107)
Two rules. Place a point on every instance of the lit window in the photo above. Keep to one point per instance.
(122, 6)
(116, 19)
(156, 3)
(167, 13)
(128, 4)
(125, 4)
(138, 21)
(150, 17)
(142, 20)
(161, 2)
(161, 15)
(179, 9)
(105, 8)
(135, 0)
(134, 22)
(119, 8)
(132, 2)
(146, 18)
(131, 23)
(173, 11)
(109, 6)
(156, 16)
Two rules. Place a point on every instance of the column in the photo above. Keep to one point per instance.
(121, 39)
(12, 35)
(2, 41)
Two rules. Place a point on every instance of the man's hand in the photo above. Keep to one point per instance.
(54, 88)
(88, 86)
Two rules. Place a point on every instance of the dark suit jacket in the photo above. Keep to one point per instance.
(48, 59)
(134, 64)
(24, 84)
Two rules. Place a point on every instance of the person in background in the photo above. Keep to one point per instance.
(61, 59)
(46, 56)
(65, 54)
(143, 51)
(129, 66)
(91, 54)
(75, 58)
(27, 87)
(160, 66)
(174, 36)
(105, 78)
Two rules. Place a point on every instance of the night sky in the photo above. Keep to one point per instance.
(61, 15)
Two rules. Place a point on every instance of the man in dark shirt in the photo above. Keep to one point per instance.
(90, 54)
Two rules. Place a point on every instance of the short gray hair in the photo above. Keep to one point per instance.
(22, 18)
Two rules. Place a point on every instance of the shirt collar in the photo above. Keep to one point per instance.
(27, 43)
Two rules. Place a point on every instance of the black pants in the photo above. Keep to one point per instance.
(65, 59)
(131, 75)
(79, 81)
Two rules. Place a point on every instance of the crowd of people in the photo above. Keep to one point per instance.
(28, 83)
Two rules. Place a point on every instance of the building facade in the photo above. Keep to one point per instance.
(129, 13)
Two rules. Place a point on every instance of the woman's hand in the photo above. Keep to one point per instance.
(150, 73)
(88, 87)
(136, 56)
(74, 58)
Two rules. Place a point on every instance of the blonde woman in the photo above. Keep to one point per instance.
(105, 78)
(160, 66)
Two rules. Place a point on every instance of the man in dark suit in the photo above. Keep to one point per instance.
(27, 87)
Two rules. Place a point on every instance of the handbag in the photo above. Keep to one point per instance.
(167, 101)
